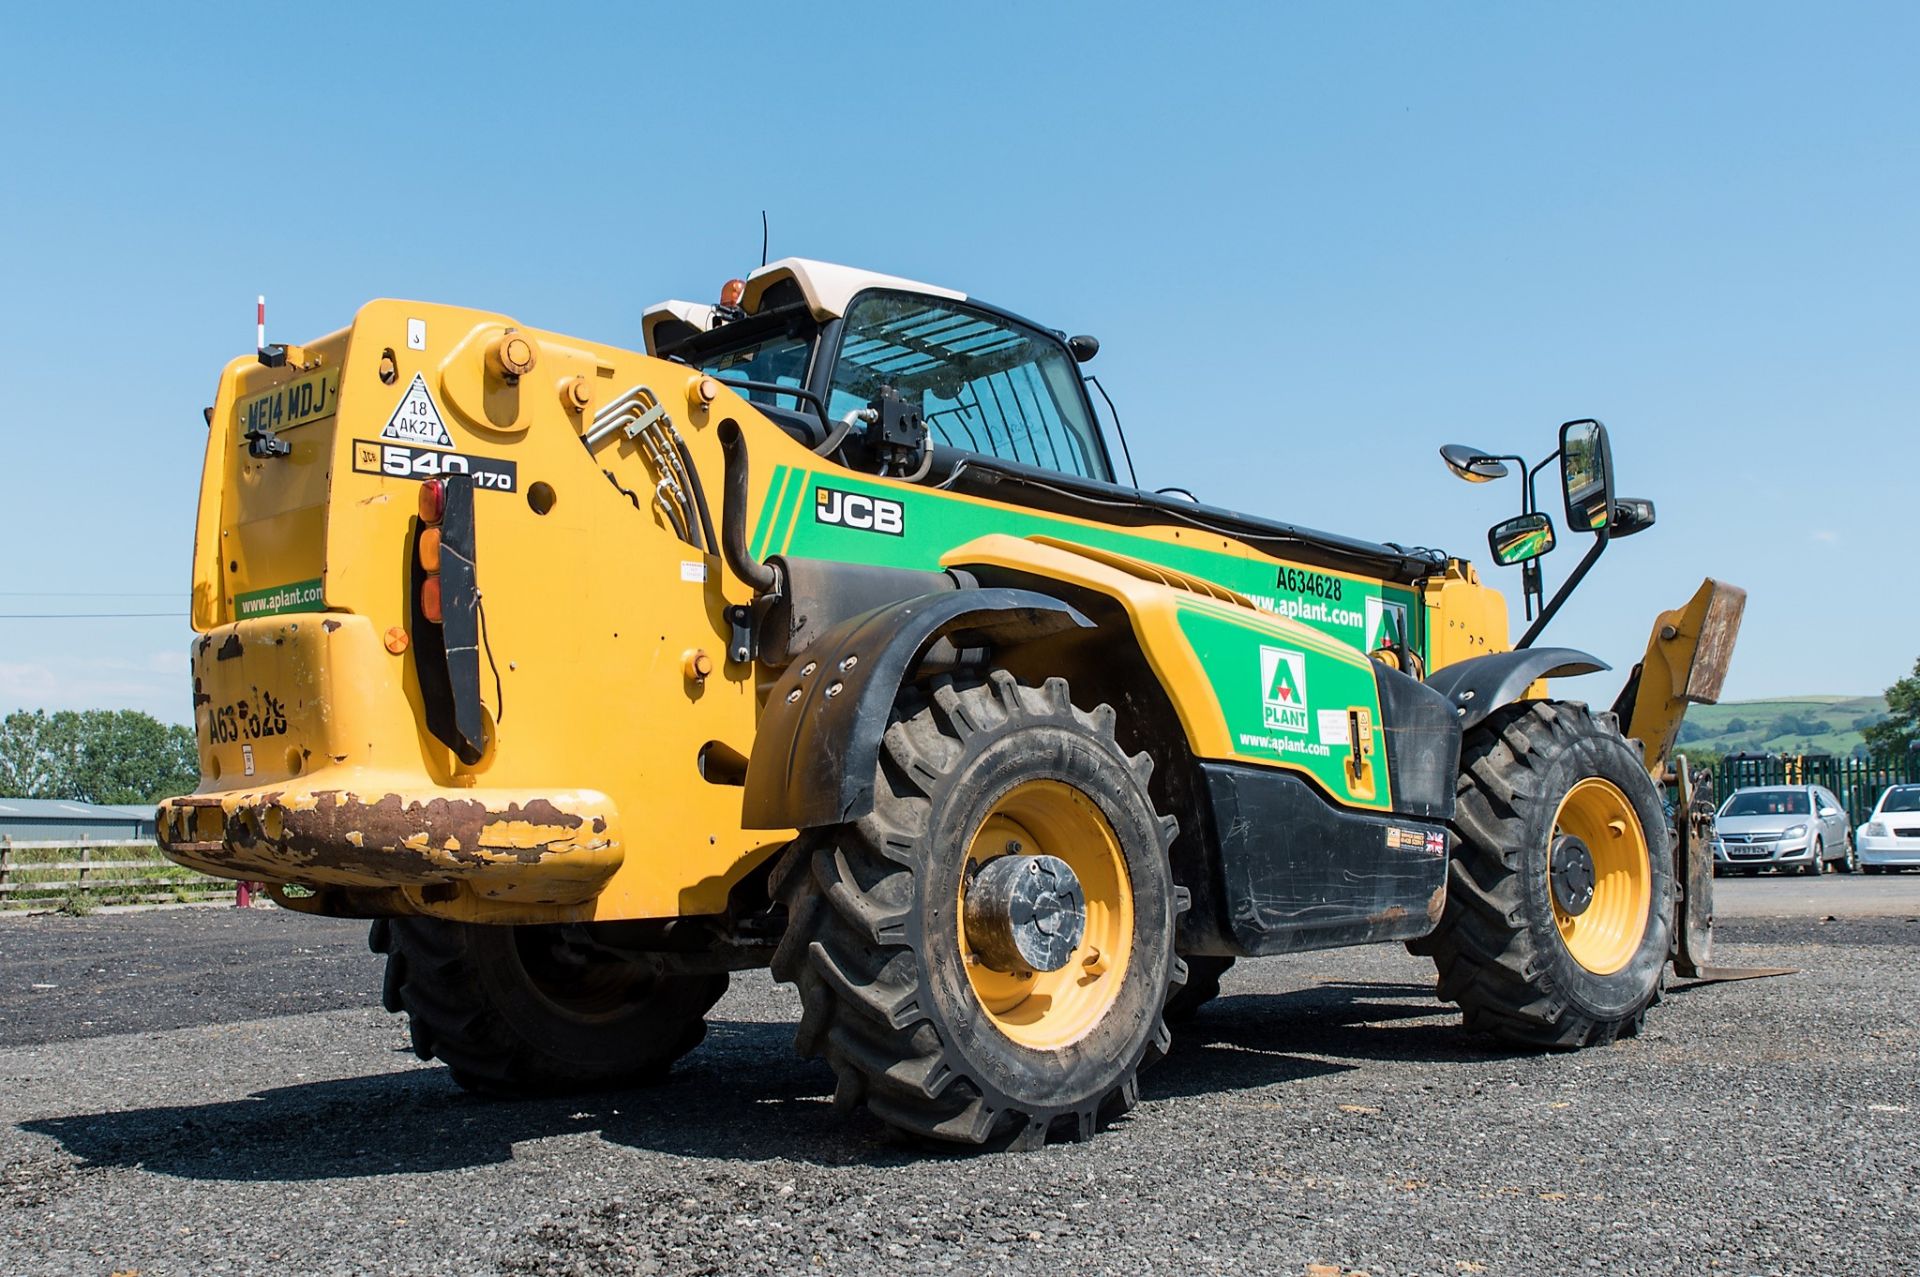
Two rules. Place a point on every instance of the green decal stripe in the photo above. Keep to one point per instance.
(1306, 636)
(776, 493)
(802, 509)
(1280, 725)
(935, 522)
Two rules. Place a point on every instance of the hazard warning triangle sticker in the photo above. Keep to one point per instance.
(415, 419)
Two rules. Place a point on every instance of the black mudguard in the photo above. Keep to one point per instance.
(818, 741)
(1298, 872)
(1482, 684)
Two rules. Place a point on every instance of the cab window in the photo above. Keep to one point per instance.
(985, 383)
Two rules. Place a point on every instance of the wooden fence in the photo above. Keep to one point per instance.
(92, 872)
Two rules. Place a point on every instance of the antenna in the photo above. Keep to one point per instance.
(763, 237)
(260, 322)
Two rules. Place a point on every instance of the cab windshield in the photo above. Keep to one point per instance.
(1767, 802)
(1901, 799)
(986, 384)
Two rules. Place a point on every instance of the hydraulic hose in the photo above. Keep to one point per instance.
(699, 491)
(733, 515)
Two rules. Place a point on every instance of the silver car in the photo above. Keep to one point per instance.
(1891, 837)
(1798, 827)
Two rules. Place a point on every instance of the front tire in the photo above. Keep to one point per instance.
(938, 1039)
(520, 1011)
(1526, 958)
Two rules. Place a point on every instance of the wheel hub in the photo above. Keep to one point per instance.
(1572, 875)
(1025, 913)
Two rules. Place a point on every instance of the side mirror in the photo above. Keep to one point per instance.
(1586, 472)
(1083, 348)
(1472, 464)
(1520, 539)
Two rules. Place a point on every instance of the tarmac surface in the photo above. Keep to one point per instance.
(213, 1091)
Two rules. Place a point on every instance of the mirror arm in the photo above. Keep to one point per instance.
(1601, 537)
(1532, 501)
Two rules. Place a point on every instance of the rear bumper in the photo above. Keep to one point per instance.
(533, 848)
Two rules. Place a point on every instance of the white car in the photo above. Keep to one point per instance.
(1891, 837)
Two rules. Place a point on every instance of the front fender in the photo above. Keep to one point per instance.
(1481, 685)
(818, 741)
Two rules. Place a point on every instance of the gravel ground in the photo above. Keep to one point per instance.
(213, 1091)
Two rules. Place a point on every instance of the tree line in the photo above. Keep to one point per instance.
(96, 756)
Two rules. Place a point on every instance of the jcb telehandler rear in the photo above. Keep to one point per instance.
(825, 636)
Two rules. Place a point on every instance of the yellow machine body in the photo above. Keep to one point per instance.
(618, 726)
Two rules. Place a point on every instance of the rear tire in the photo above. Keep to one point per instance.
(1202, 986)
(1519, 965)
(1849, 862)
(519, 1011)
(915, 1023)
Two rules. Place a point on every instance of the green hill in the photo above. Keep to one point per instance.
(1789, 725)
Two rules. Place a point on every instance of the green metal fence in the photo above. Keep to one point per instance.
(1857, 781)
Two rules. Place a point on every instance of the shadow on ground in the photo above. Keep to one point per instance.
(742, 1096)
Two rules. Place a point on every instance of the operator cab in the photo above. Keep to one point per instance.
(813, 345)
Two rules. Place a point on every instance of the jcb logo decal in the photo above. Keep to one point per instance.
(866, 514)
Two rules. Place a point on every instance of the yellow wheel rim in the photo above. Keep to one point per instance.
(1604, 937)
(1048, 1010)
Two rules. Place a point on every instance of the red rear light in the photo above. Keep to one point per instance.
(430, 599)
(433, 500)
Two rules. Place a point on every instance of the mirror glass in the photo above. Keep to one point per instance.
(1472, 464)
(1586, 471)
(1523, 537)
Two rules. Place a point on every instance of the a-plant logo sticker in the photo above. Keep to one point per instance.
(1283, 690)
(863, 513)
(1386, 624)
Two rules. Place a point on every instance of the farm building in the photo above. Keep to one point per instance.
(48, 819)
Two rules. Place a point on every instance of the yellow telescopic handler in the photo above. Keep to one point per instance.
(824, 635)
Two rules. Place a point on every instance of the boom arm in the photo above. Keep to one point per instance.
(1685, 664)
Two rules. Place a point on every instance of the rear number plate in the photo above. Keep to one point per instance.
(308, 398)
(402, 461)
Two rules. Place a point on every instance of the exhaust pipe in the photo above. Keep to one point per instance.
(733, 517)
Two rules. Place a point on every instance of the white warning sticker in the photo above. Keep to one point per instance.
(690, 571)
(1333, 727)
(416, 419)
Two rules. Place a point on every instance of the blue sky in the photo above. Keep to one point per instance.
(1316, 242)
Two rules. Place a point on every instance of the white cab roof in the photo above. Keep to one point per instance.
(828, 288)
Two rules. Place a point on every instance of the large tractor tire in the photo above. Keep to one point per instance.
(519, 1011)
(1560, 891)
(986, 957)
(1202, 986)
